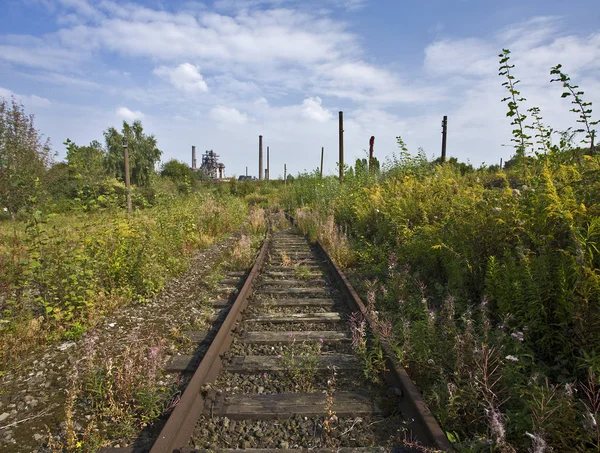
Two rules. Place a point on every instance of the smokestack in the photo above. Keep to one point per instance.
(193, 157)
(260, 158)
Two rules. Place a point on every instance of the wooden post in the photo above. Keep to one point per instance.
(444, 136)
(341, 158)
(284, 174)
(260, 158)
(268, 176)
(127, 182)
(322, 152)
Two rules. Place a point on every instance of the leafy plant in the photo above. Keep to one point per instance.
(520, 138)
(584, 109)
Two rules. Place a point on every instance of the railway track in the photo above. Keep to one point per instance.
(281, 374)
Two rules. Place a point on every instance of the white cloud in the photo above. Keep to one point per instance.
(312, 109)
(470, 57)
(351, 5)
(129, 115)
(184, 77)
(362, 82)
(228, 115)
(27, 100)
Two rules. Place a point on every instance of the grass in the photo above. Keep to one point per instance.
(61, 274)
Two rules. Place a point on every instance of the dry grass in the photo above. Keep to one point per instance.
(322, 228)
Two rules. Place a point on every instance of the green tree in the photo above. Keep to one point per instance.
(86, 166)
(143, 153)
(24, 157)
(180, 173)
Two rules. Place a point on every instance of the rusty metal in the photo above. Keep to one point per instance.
(341, 139)
(423, 424)
(322, 153)
(444, 137)
(424, 427)
(371, 145)
(180, 425)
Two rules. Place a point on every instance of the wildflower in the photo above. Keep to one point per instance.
(518, 336)
(278, 356)
(590, 420)
(570, 389)
(265, 375)
(320, 340)
(512, 358)
(431, 316)
(497, 427)
(538, 442)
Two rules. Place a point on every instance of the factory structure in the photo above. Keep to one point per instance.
(210, 166)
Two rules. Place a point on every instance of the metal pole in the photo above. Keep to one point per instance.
(341, 159)
(322, 152)
(127, 182)
(371, 144)
(284, 174)
(444, 136)
(260, 158)
(268, 165)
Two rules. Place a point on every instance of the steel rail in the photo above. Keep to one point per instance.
(422, 423)
(178, 430)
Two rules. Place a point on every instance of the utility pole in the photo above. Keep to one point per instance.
(322, 152)
(284, 174)
(444, 136)
(341, 159)
(127, 182)
(260, 158)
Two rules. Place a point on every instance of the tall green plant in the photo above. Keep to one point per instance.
(584, 109)
(520, 137)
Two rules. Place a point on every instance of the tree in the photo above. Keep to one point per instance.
(24, 157)
(143, 153)
(86, 166)
(180, 173)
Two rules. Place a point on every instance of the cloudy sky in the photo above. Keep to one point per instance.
(216, 74)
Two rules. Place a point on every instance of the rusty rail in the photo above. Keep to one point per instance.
(422, 423)
(180, 425)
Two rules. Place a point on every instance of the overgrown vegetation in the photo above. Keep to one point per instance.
(59, 274)
(488, 277)
(485, 281)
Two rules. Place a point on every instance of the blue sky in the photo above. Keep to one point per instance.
(216, 74)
